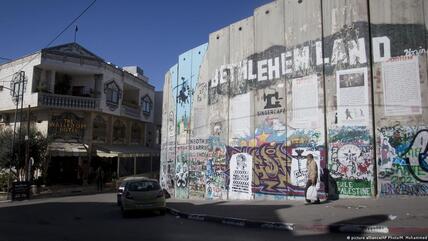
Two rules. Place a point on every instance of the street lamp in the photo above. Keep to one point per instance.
(21, 79)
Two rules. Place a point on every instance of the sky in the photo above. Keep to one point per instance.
(149, 34)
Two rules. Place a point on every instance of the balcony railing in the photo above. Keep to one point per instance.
(131, 111)
(68, 101)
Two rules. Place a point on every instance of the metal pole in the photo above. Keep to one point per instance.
(12, 160)
(135, 166)
(118, 163)
(151, 162)
(22, 78)
(373, 107)
(27, 147)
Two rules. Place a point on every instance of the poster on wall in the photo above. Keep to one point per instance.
(401, 84)
(299, 170)
(305, 102)
(241, 165)
(239, 118)
(352, 97)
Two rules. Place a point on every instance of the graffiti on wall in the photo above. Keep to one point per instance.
(182, 172)
(241, 166)
(168, 168)
(279, 169)
(346, 49)
(266, 129)
(197, 164)
(403, 163)
(216, 175)
(351, 154)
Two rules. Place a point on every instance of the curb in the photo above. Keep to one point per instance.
(232, 221)
(334, 228)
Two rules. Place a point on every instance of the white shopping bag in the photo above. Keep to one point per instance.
(311, 193)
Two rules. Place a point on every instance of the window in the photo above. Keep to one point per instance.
(147, 105)
(113, 94)
(16, 89)
(143, 186)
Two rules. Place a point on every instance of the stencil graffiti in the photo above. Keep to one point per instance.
(270, 98)
(299, 172)
(240, 176)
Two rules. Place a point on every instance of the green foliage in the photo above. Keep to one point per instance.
(4, 179)
(38, 145)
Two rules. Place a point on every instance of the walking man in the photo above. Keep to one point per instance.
(312, 176)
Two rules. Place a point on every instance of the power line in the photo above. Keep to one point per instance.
(68, 26)
(53, 40)
(5, 58)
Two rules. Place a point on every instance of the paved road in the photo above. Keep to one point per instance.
(96, 217)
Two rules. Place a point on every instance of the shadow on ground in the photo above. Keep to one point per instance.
(103, 221)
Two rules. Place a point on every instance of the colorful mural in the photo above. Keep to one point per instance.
(247, 109)
(351, 160)
(402, 163)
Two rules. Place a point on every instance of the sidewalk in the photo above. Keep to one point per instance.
(70, 190)
(398, 215)
(63, 191)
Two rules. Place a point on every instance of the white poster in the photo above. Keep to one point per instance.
(240, 118)
(352, 97)
(299, 171)
(241, 175)
(305, 103)
(401, 85)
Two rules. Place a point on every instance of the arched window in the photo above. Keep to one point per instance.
(136, 133)
(119, 132)
(99, 129)
(113, 94)
(147, 105)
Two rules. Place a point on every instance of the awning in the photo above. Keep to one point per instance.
(67, 149)
(125, 151)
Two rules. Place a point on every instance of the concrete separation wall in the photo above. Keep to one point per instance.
(345, 81)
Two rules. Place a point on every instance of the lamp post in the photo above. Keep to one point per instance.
(17, 94)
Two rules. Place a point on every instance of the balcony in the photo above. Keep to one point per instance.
(68, 102)
(131, 111)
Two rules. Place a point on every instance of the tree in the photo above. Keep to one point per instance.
(38, 151)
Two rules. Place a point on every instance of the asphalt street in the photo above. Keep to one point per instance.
(96, 217)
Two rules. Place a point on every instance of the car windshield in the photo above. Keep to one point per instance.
(142, 186)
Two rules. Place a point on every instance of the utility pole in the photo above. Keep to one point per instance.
(22, 81)
(15, 94)
(27, 147)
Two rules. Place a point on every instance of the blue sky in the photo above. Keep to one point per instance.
(150, 34)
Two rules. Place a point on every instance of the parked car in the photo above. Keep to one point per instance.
(121, 186)
(142, 194)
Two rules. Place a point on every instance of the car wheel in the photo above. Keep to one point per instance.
(162, 212)
(125, 214)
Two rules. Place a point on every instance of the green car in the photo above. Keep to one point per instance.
(142, 194)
